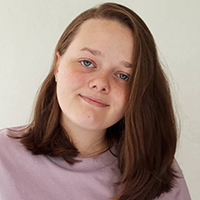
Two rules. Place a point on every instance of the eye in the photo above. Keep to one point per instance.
(123, 76)
(86, 63)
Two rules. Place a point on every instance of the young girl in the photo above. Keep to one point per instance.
(103, 126)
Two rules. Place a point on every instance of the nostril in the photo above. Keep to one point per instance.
(99, 84)
(95, 87)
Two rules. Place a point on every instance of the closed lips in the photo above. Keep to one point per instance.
(92, 99)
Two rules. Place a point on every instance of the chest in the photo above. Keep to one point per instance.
(44, 180)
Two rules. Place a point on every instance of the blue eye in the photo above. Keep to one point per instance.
(86, 63)
(123, 77)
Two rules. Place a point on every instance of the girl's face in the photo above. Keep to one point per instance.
(92, 75)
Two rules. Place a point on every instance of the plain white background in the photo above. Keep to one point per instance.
(29, 31)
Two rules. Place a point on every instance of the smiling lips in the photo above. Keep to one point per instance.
(94, 101)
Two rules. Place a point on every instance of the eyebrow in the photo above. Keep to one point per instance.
(97, 52)
(92, 51)
(126, 64)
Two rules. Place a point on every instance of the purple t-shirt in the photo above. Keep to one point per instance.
(24, 176)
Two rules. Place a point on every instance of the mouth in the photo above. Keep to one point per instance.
(94, 101)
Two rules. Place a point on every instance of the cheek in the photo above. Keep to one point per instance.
(71, 79)
(121, 96)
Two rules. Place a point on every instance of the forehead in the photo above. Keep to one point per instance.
(101, 27)
(104, 35)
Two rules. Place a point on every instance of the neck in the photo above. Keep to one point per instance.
(88, 142)
(91, 149)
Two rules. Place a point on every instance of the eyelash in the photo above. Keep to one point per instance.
(126, 76)
(83, 62)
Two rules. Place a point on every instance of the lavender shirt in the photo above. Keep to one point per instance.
(24, 176)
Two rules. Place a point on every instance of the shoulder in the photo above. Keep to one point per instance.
(7, 133)
(8, 145)
(180, 190)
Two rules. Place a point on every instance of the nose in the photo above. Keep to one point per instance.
(100, 83)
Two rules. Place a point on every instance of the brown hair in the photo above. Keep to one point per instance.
(146, 137)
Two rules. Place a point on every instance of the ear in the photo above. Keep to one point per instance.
(57, 59)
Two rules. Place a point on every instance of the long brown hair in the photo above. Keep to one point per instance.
(146, 137)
